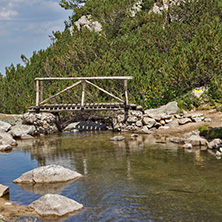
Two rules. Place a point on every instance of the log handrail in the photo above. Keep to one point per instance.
(83, 81)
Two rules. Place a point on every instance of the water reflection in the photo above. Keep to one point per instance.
(139, 179)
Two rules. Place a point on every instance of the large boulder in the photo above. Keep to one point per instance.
(4, 126)
(55, 205)
(169, 108)
(48, 174)
(19, 130)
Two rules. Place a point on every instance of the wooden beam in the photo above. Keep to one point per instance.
(103, 90)
(83, 92)
(41, 91)
(126, 93)
(64, 90)
(88, 78)
(37, 92)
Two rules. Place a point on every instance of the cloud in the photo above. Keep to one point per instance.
(25, 26)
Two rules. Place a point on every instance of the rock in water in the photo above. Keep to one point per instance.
(117, 138)
(48, 174)
(55, 205)
(4, 190)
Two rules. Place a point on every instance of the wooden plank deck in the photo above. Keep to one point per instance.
(77, 107)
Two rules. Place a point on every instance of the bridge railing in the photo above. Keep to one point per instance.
(83, 81)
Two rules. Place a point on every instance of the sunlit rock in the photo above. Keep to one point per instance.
(7, 139)
(55, 205)
(4, 190)
(48, 174)
(19, 130)
(4, 126)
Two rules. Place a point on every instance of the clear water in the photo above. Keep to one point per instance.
(132, 180)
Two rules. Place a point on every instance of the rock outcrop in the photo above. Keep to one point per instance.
(55, 205)
(48, 174)
(44, 123)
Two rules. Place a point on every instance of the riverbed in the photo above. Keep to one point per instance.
(132, 180)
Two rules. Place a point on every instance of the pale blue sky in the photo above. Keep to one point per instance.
(25, 26)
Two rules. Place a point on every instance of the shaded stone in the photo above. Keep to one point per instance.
(144, 130)
(4, 190)
(55, 205)
(149, 122)
(7, 139)
(207, 120)
(6, 147)
(19, 130)
(184, 121)
(196, 140)
(48, 174)
(132, 119)
(134, 135)
(187, 146)
(4, 126)
(139, 123)
(163, 127)
(117, 138)
(214, 144)
(177, 140)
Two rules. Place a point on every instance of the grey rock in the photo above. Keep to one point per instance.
(5, 147)
(177, 140)
(139, 123)
(196, 119)
(174, 122)
(196, 140)
(117, 138)
(144, 130)
(19, 130)
(163, 127)
(134, 135)
(5, 126)
(214, 144)
(149, 122)
(138, 114)
(132, 119)
(187, 146)
(169, 108)
(87, 22)
(198, 92)
(4, 190)
(7, 139)
(55, 205)
(195, 132)
(48, 174)
(207, 120)
(184, 121)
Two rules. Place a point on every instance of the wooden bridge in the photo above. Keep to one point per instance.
(43, 106)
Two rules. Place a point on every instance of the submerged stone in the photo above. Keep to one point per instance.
(55, 205)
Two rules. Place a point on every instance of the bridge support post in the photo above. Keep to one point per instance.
(37, 92)
(126, 94)
(83, 93)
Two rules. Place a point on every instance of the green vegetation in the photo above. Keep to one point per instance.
(167, 57)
